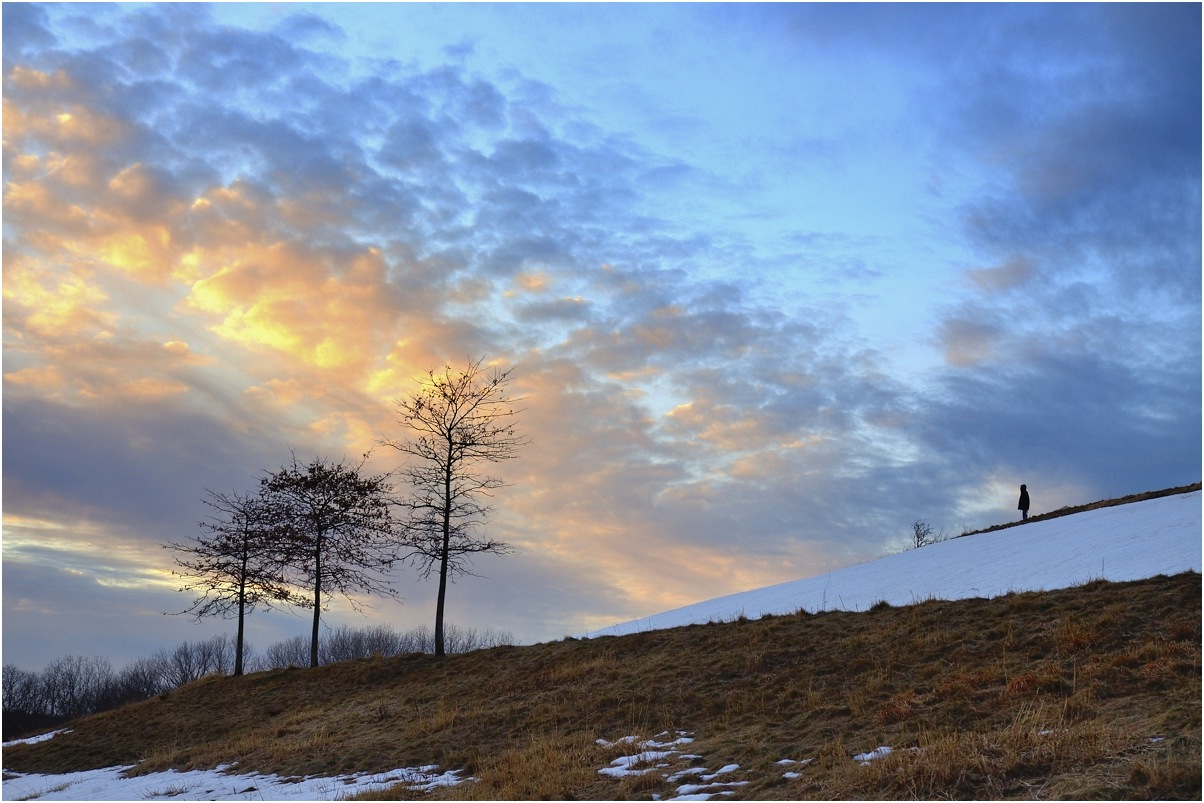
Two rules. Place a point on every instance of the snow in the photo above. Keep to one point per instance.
(866, 758)
(1126, 542)
(627, 765)
(111, 784)
(651, 755)
(35, 739)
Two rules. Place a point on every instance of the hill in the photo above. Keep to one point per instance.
(1091, 691)
(1124, 539)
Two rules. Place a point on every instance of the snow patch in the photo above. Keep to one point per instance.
(111, 783)
(35, 739)
(653, 754)
(865, 758)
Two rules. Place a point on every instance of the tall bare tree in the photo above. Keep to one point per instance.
(461, 422)
(236, 564)
(339, 531)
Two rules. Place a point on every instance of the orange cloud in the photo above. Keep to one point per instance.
(51, 217)
(53, 304)
(530, 283)
(135, 389)
(721, 426)
(280, 298)
(45, 379)
(146, 254)
(28, 78)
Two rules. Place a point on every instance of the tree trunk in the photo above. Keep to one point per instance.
(242, 598)
(439, 601)
(443, 553)
(242, 603)
(313, 642)
(238, 639)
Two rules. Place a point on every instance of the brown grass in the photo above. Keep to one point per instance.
(1087, 692)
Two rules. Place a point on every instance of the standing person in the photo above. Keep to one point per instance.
(1023, 506)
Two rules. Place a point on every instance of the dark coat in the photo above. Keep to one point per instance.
(1023, 500)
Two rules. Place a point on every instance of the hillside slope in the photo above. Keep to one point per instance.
(1090, 691)
(1121, 542)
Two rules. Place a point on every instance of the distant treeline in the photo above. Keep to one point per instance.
(74, 685)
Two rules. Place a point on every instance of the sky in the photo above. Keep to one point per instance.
(775, 282)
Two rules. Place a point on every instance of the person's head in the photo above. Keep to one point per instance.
(1024, 487)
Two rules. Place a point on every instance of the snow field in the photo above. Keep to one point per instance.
(111, 783)
(1125, 542)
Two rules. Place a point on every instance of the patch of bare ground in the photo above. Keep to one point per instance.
(1087, 692)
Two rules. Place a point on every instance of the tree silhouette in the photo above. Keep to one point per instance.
(237, 564)
(336, 529)
(461, 421)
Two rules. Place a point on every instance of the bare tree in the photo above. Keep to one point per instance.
(337, 528)
(190, 661)
(75, 685)
(142, 679)
(237, 564)
(345, 643)
(26, 703)
(461, 421)
(922, 535)
(290, 652)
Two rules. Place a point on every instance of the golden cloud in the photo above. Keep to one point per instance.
(333, 331)
(34, 201)
(139, 389)
(83, 546)
(530, 283)
(51, 304)
(45, 378)
(27, 78)
(146, 254)
(721, 426)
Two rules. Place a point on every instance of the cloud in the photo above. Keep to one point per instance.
(1012, 274)
(27, 26)
(968, 341)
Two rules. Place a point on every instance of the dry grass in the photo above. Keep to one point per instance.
(1088, 692)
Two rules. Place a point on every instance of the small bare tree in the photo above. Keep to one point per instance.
(337, 529)
(236, 564)
(922, 535)
(461, 421)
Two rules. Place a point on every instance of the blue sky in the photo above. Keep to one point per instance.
(777, 280)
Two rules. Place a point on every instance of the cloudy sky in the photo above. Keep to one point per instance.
(775, 280)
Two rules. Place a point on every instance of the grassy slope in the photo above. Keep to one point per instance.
(1054, 694)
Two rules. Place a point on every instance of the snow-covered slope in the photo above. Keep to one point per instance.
(1125, 542)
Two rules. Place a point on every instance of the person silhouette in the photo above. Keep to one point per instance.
(1023, 506)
